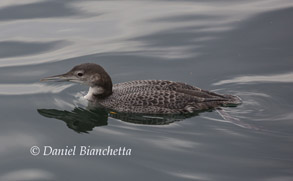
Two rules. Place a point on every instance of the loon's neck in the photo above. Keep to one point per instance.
(92, 92)
(98, 92)
(100, 86)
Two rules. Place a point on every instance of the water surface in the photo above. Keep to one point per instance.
(232, 47)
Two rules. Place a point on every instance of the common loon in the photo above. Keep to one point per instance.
(143, 96)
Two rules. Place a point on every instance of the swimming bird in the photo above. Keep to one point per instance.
(143, 96)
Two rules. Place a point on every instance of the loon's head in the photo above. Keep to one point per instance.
(90, 74)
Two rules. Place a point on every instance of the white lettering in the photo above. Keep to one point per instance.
(47, 148)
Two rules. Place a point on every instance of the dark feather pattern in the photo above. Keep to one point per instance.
(163, 97)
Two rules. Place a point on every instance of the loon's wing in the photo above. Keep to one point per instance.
(179, 87)
(165, 101)
(147, 85)
(173, 96)
(155, 84)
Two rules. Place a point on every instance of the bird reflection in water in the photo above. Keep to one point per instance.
(84, 120)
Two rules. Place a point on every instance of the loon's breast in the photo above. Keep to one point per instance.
(163, 97)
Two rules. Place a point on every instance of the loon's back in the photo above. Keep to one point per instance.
(163, 97)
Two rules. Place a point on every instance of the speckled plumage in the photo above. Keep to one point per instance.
(143, 96)
(162, 97)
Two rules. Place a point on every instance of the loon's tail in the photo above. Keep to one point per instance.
(232, 100)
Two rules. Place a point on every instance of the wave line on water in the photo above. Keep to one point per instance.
(34, 88)
(282, 78)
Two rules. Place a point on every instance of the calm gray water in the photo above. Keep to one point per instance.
(233, 47)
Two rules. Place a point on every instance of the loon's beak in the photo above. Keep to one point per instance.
(58, 78)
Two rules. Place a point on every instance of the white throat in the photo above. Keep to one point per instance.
(93, 91)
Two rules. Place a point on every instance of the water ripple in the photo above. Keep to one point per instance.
(42, 9)
(282, 78)
(27, 174)
(24, 48)
(34, 88)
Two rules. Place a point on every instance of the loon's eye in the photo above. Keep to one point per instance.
(80, 74)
